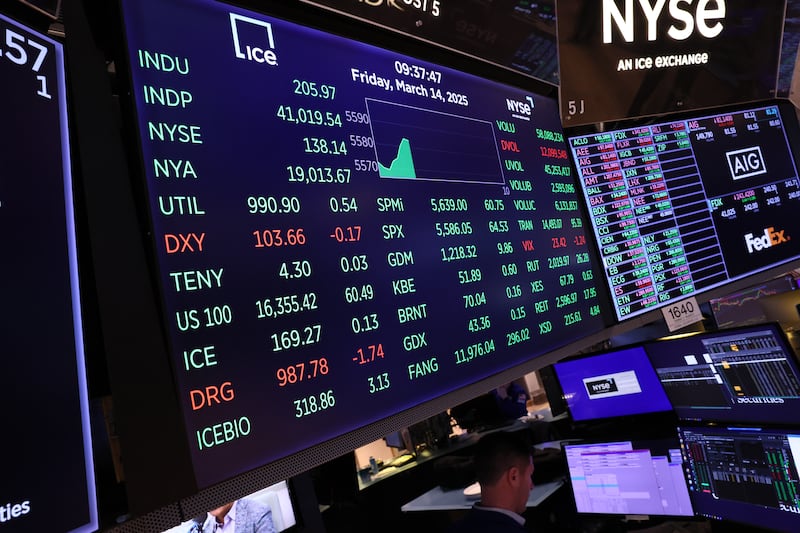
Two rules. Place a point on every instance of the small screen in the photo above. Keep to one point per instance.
(617, 383)
(744, 475)
(269, 510)
(628, 477)
(689, 205)
(743, 308)
(743, 375)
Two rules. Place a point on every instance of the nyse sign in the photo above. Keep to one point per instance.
(631, 58)
(707, 20)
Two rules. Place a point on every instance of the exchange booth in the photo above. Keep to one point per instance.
(282, 265)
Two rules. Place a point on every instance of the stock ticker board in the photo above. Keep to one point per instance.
(342, 231)
(48, 473)
(688, 205)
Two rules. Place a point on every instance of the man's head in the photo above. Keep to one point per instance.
(220, 512)
(504, 468)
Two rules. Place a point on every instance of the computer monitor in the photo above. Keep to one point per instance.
(747, 475)
(552, 389)
(628, 478)
(274, 500)
(612, 384)
(783, 308)
(479, 413)
(399, 440)
(743, 308)
(747, 375)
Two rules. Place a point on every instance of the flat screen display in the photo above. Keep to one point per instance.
(269, 510)
(621, 59)
(47, 480)
(687, 205)
(747, 375)
(518, 34)
(743, 308)
(628, 478)
(342, 232)
(747, 475)
(612, 384)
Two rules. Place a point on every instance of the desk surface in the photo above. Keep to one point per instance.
(438, 499)
(463, 441)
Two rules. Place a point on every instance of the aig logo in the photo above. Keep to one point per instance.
(262, 49)
(746, 162)
(771, 237)
(706, 18)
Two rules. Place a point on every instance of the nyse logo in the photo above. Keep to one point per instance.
(771, 237)
(746, 162)
(518, 106)
(601, 386)
(707, 20)
(262, 49)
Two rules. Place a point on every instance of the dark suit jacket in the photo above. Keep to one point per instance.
(481, 521)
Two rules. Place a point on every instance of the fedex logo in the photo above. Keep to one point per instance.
(770, 238)
(261, 52)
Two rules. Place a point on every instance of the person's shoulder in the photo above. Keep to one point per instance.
(253, 515)
(481, 521)
(252, 506)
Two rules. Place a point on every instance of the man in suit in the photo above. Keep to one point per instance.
(504, 468)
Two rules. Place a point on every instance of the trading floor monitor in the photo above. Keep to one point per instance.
(617, 383)
(747, 475)
(747, 375)
(628, 478)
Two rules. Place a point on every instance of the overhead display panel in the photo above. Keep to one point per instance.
(342, 232)
(684, 206)
(517, 34)
(623, 59)
(47, 480)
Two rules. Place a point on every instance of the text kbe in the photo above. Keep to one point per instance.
(706, 19)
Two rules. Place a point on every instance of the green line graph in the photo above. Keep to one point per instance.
(402, 166)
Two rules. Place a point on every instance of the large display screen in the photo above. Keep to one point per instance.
(342, 232)
(518, 34)
(621, 59)
(47, 481)
(747, 375)
(747, 475)
(617, 383)
(687, 205)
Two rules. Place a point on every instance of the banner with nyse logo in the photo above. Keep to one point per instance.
(631, 58)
